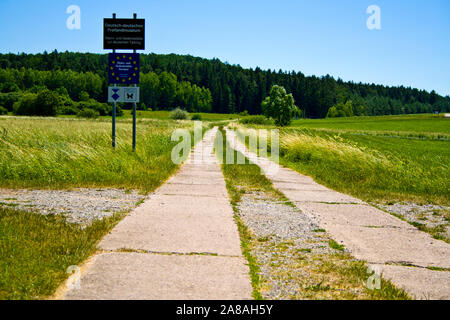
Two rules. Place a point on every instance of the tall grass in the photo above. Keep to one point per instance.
(65, 153)
(376, 168)
(36, 250)
(164, 115)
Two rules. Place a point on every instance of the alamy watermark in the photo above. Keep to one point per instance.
(73, 22)
(74, 280)
(374, 280)
(263, 147)
(374, 20)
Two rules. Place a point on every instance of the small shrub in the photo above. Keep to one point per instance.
(84, 96)
(7, 100)
(196, 117)
(102, 108)
(341, 110)
(25, 105)
(88, 114)
(3, 111)
(119, 110)
(255, 120)
(45, 103)
(179, 114)
(243, 113)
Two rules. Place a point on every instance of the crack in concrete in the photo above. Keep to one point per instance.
(169, 253)
(411, 265)
(192, 195)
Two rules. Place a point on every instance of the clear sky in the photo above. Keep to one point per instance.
(316, 37)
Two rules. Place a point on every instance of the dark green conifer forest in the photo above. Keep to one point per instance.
(199, 85)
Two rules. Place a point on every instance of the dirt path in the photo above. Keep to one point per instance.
(398, 250)
(181, 243)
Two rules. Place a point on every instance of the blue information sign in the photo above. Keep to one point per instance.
(123, 68)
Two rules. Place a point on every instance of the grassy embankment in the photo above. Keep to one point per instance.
(337, 275)
(36, 250)
(164, 115)
(67, 153)
(363, 157)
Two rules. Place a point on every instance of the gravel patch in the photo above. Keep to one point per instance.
(81, 206)
(278, 221)
(432, 216)
(290, 248)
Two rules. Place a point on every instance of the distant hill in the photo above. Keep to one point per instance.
(235, 89)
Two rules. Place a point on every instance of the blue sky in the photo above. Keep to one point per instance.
(316, 37)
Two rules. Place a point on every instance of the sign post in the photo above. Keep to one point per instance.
(123, 68)
(134, 104)
(114, 111)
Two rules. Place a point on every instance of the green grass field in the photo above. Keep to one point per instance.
(164, 115)
(407, 124)
(371, 165)
(68, 153)
(36, 250)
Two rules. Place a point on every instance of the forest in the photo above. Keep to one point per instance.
(202, 85)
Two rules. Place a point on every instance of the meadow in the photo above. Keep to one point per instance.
(68, 153)
(427, 124)
(385, 159)
(165, 115)
(65, 153)
(36, 250)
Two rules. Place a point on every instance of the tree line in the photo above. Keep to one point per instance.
(75, 89)
(211, 85)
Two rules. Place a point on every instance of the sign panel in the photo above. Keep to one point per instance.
(123, 68)
(131, 94)
(123, 94)
(124, 34)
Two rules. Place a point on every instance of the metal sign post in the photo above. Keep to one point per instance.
(134, 106)
(123, 68)
(114, 110)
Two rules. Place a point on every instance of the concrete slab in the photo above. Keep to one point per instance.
(136, 276)
(319, 196)
(182, 231)
(385, 245)
(303, 186)
(352, 214)
(420, 283)
(205, 179)
(179, 204)
(199, 167)
(215, 190)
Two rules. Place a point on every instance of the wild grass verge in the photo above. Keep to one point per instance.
(36, 250)
(66, 153)
(240, 179)
(372, 168)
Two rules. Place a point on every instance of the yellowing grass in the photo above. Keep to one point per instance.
(378, 168)
(64, 153)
